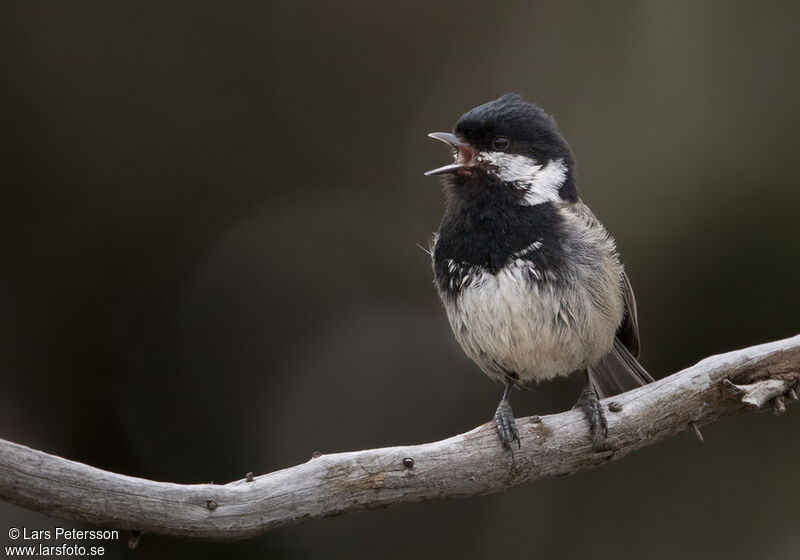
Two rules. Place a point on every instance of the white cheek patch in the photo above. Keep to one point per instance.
(540, 182)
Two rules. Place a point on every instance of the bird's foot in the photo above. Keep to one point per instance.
(591, 407)
(506, 426)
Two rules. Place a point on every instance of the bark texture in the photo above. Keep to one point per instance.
(467, 464)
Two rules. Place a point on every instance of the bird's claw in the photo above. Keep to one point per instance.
(591, 407)
(506, 426)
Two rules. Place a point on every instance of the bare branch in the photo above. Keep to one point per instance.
(468, 464)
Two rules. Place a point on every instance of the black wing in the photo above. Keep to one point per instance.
(619, 370)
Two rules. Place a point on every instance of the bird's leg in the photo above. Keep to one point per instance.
(504, 420)
(590, 404)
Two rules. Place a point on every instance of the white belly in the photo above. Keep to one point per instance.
(508, 324)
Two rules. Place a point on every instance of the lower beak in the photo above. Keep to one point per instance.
(464, 153)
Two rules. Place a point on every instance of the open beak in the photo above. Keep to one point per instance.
(464, 153)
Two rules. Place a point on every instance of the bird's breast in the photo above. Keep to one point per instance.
(530, 317)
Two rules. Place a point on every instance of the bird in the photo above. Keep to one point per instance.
(530, 280)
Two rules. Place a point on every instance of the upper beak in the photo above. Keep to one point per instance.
(464, 153)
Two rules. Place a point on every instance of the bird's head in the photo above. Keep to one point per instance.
(509, 143)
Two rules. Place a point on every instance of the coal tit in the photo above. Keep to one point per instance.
(530, 280)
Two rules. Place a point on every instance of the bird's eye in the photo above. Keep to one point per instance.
(500, 143)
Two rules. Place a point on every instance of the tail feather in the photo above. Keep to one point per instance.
(617, 372)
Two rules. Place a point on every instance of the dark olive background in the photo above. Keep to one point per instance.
(209, 225)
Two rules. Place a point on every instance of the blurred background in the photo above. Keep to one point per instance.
(209, 226)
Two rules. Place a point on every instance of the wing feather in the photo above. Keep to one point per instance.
(620, 370)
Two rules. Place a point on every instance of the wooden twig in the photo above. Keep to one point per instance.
(468, 464)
